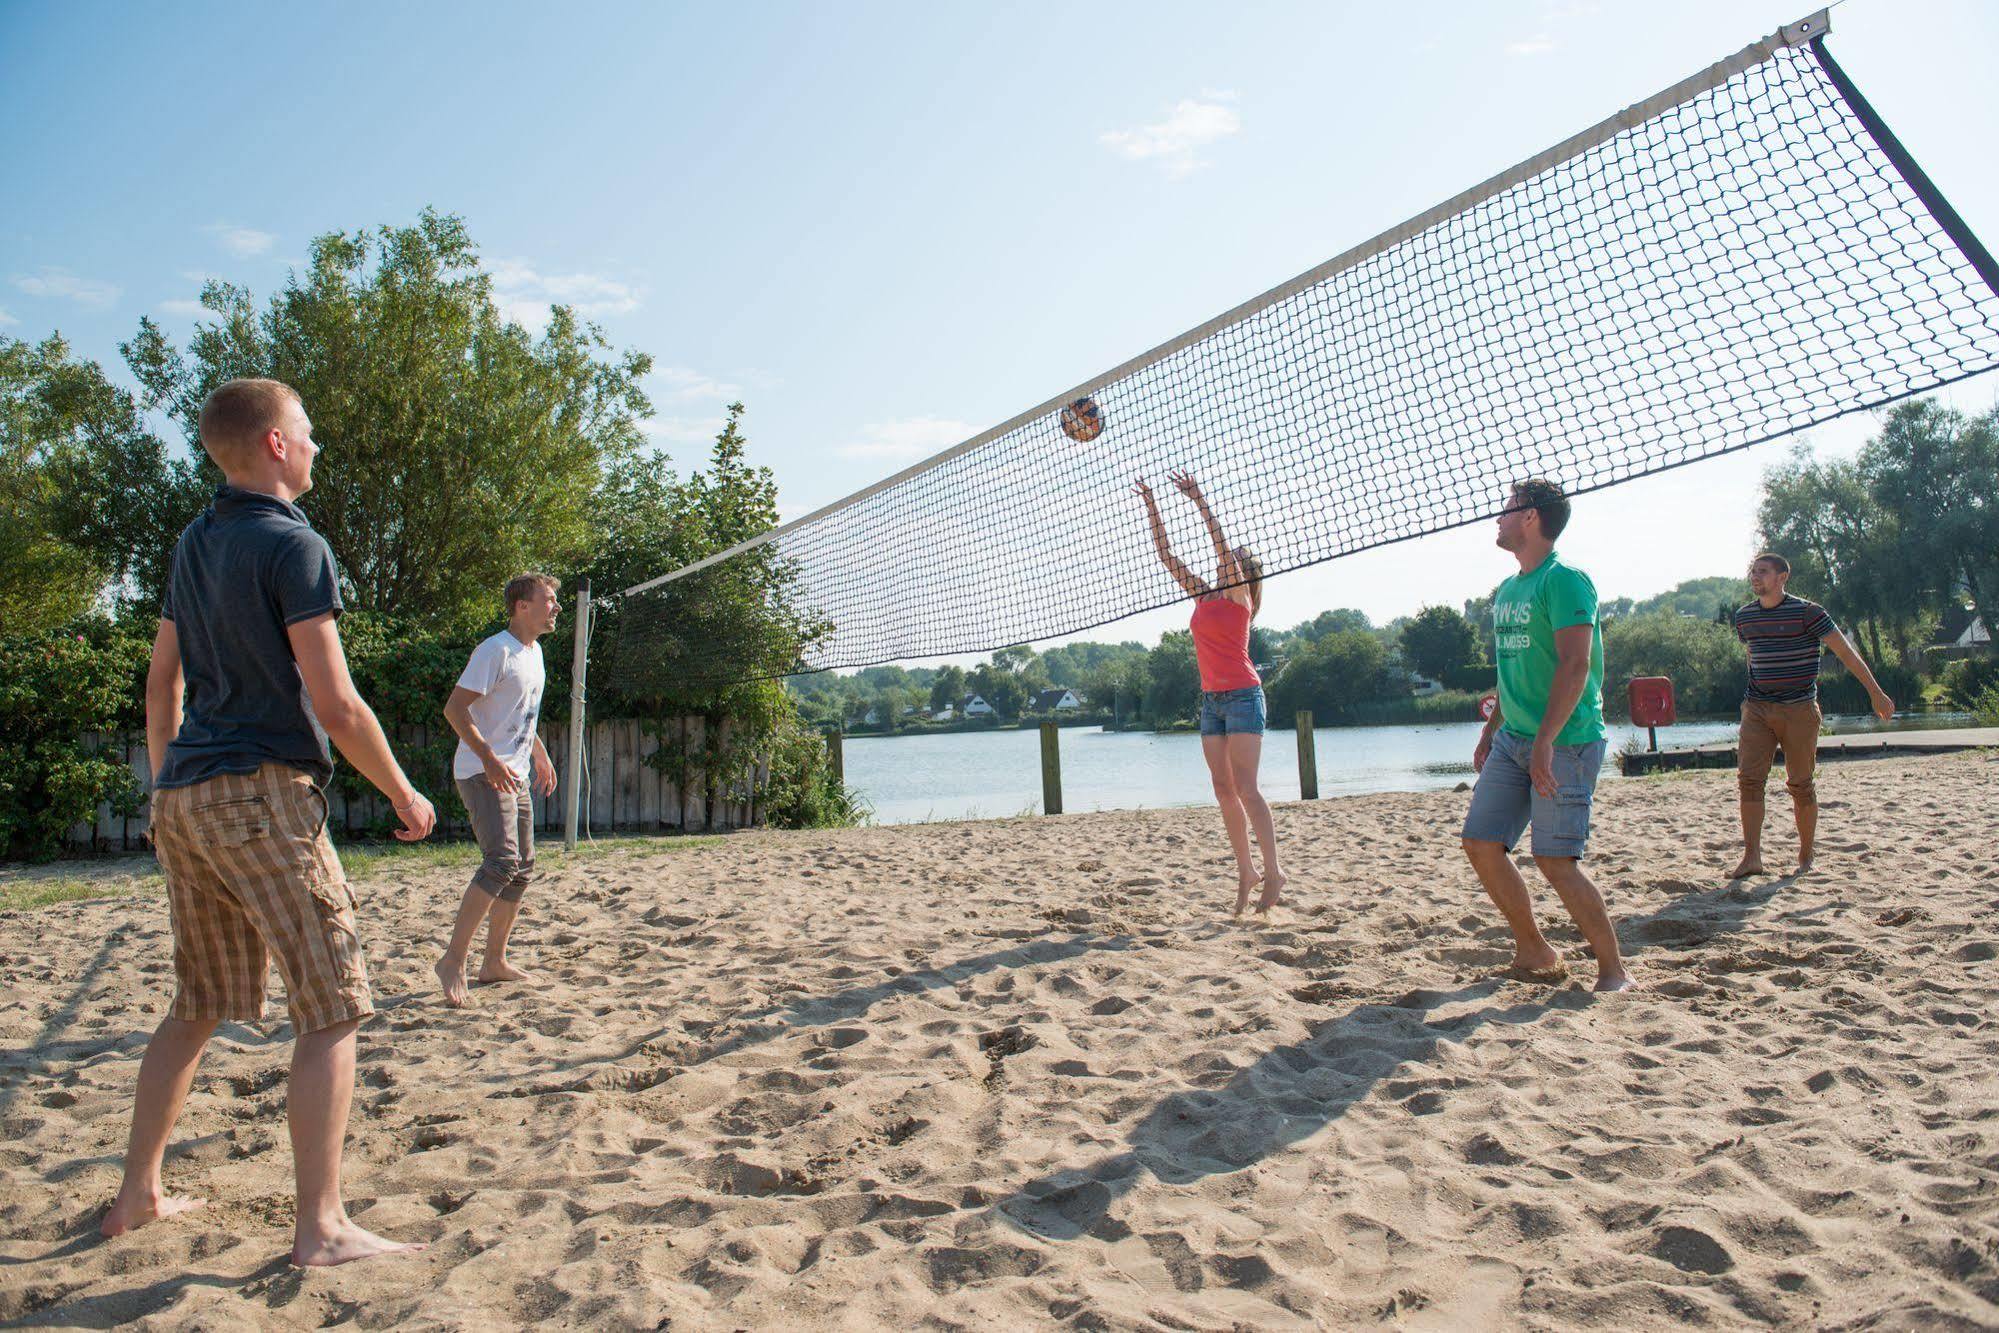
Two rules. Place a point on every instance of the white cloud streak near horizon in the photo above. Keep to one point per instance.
(524, 294)
(684, 384)
(1175, 143)
(906, 440)
(61, 285)
(243, 242)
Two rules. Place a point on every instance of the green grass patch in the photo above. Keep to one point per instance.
(21, 895)
(363, 861)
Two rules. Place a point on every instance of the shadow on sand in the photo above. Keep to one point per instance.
(1294, 1091)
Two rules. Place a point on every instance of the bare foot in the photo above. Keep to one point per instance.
(126, 1214)
(1273, 891)
(452, 977)
(502, 971)
(1554, 972)
(1750, 866)
(1244, 884)
(1542, 965)
(1610, 981)
(1804, 865)
(343, 1245)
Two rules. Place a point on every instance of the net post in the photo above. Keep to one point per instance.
(579, 664)
(836, 752)
(1051, 769)
(1308, 757)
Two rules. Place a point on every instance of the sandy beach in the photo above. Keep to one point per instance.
(1026, 1073)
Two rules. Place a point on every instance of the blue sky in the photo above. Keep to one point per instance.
(888, 227)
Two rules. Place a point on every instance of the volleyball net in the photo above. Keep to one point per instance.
(1747, 254)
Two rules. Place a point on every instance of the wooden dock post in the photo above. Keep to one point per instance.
(1051, 769)
(1308, 758)
(836, 753)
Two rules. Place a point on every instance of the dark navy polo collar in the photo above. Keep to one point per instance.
(234, 499)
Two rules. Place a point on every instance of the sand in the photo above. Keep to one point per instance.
(1025, 1073)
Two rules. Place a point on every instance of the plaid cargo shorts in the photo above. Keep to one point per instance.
(252, 875)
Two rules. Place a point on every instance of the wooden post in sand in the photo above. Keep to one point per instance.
(836, 754)
(572, 778)
(1308, 758)
(1051, 769)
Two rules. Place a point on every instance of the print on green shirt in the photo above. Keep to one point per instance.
(1527, 609)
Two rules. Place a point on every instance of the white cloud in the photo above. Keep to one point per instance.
(243, 242)
(682, 430)
(685, 384)
(6, 319)
(524, 294)
(1554, 14)
(1175, 143)
(184, 308)
(906, 440)
(61, 284)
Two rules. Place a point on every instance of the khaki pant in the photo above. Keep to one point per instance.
(251, 877)
(1766, 727)
(503, 822)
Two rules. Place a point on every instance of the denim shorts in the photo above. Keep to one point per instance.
(1232, 712)
(1504, 802)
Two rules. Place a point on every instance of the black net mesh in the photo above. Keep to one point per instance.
(1741, 266)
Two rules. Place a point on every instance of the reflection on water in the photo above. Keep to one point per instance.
(993, 774)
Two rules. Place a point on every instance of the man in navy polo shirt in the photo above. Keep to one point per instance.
(247, 684)
(1785, 636)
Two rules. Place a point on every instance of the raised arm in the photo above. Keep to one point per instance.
(1174, 565)
(1192, 490)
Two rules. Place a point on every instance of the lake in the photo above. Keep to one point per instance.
(994, 774)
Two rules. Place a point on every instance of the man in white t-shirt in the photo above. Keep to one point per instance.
(494, 710)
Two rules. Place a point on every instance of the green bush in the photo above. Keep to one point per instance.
(802, 792)
(57, 689)
(1839, 692)
(1475, 679)
(1701, 658)
(1985, 707)
(406, 673)
(1968, 678)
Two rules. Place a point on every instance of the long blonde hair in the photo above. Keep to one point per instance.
(1251, 570)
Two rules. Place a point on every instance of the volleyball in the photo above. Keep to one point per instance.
(1083, 420)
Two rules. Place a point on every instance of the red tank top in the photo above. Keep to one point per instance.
(1221, 645)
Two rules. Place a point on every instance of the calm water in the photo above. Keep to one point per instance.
(992, 774)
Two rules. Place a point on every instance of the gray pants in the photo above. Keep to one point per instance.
(503, 822)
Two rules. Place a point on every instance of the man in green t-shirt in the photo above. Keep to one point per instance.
(1539, 754)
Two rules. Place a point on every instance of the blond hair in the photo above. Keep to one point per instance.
(237, 415)
(1251, 569)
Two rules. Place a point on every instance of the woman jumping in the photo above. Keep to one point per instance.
(1232, 713)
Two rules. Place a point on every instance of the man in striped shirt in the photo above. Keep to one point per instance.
(1786, 637)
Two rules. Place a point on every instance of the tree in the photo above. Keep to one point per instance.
(1696, 597)
(1701, 658)
(1439, 641)
(1334, 675)
(948, 689)
(1937, 471)
(999, 687)
(458, 449)
(1846, 551)
(1172, 679)
(89, 500)
(1478, 610)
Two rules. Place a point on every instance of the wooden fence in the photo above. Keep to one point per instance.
(625, 793)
